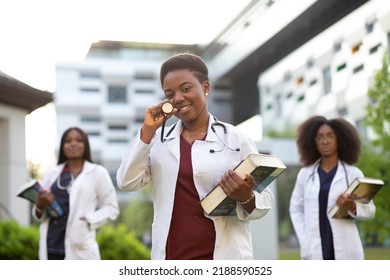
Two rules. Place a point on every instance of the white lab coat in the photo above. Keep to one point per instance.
(159, 163)
(93, 196)
(304, 213)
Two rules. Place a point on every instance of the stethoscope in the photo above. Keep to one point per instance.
(318, 164)
(167, 108)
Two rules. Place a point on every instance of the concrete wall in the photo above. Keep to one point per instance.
(13, 171)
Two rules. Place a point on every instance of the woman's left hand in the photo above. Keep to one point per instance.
(346, 202)
(237, 188)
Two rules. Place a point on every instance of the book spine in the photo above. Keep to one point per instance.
(252, 163)
(57, 209)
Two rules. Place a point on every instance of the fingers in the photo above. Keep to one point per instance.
(235, 187)
(346, 201)
(44, 199)
(155, 116)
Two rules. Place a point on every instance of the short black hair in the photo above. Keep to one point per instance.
(192, 62)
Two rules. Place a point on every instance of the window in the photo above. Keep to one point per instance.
(117, 94)
(118, 141)
(89, 90)
(310, 63)
(144, 75)
(139, 118)
(327, 77)
(342, 111)
(356, 48)
(278, 105)
(299, 81)
(89, 75)
(269, 3)
(370, 26)
(117, 127)
(362, 128)
(358, 68)
(144, 91)
(375, 48)
(313, 82)
(267, 89)
(93, 133)
(90, 119)
(341, 67)
(337, 47)
(301, 98)
(287, 76)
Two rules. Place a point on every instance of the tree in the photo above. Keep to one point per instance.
(375, 159)
(138, 214)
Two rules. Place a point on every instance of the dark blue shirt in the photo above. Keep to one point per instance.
(57, 225)
(325, 228)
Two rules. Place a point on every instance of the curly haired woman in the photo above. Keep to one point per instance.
(328, 149)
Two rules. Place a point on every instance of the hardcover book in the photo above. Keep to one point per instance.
(30, 192)
(264, 169)
(363, 190)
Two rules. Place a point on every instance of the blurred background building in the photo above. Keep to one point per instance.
(319, 58)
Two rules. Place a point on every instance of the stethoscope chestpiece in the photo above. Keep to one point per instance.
(167, 108)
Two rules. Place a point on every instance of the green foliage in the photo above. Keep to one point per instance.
(18, 242)
(289, 133)
(378, 111)
(375, 158)
(137, 215)
(117, 243)
(34, 170)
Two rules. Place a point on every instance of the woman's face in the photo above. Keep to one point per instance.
(326, 140)
(186, 93)
(74, 145)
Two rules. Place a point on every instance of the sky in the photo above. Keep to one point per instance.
(37, 34)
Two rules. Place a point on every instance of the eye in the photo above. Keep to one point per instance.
(169, 95)
(185, 89)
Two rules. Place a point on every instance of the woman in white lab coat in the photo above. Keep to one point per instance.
(86, 195)
(328, 150)
(184, 162)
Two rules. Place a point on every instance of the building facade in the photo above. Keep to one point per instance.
(329, 75)
(17, 100)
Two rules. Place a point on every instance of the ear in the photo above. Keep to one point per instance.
(206, 87)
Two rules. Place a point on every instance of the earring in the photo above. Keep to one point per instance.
(206, 93)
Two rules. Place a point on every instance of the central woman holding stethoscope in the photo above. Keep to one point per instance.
(184, 164)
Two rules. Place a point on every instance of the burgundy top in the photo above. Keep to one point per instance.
(191, 235)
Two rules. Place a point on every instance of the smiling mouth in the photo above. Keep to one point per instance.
(183, 108)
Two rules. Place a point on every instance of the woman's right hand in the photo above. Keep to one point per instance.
(44, 199)
(154, 118)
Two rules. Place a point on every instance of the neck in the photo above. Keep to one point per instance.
(199, 124)
(75, 166)
(328, 163)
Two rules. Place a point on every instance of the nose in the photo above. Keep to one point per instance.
(179, 97)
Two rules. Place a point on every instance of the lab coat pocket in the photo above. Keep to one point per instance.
(310, 193)
(81, 234)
